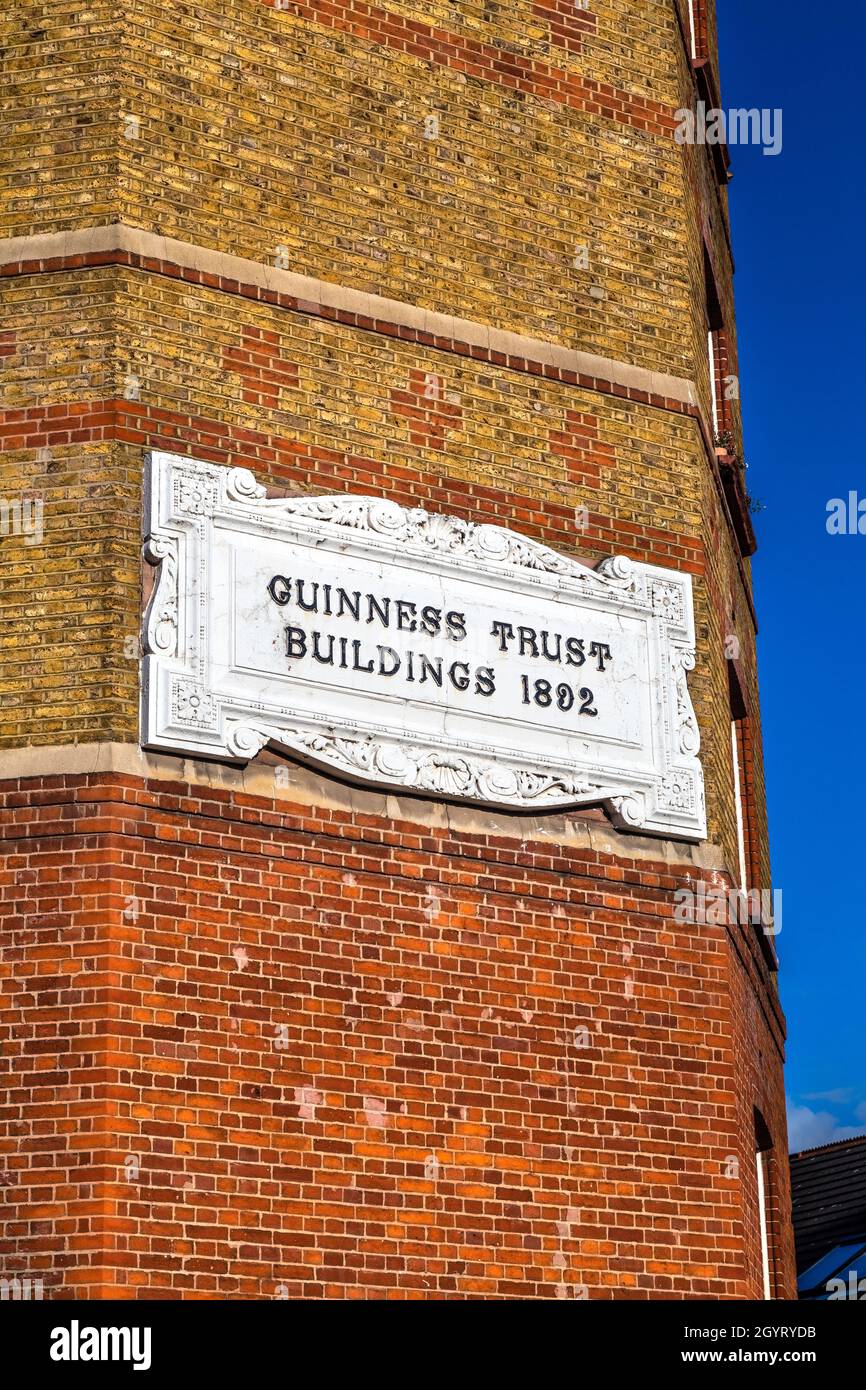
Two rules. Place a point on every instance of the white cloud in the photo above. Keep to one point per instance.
(807, 1129)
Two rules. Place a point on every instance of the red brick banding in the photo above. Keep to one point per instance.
(585, 454)
(485, 61)
(300, 465)
(258, 361)
(567, 23)
(426, 406)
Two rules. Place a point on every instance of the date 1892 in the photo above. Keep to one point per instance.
(544, 694)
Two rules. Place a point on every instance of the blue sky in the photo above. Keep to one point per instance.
(799, 235)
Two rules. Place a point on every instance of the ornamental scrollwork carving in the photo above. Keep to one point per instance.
(160, 622)
(688, 733)
(439, 771)
(447, 535)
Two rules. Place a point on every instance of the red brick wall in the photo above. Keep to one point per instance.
(354, 1057)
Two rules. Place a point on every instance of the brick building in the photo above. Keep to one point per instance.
(266, 1032)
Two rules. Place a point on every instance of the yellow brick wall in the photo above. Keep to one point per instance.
(254, 128)
(60, 97)
(259, 129)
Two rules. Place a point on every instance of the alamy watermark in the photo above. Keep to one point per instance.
(23, 1290)
(710, 125)
(22, 516)
(846, 516)
(854, 1289)
(709, 905)
(77, 1343)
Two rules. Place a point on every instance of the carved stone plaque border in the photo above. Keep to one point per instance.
(183, 710)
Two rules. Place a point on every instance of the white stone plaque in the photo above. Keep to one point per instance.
(403, 649)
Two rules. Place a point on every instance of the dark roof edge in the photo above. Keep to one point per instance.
(836, 1144)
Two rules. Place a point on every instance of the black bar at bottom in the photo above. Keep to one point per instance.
(61, 1339)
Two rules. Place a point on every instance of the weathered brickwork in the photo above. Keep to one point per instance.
(251, 129)
(304, 1039)
(353, 1058)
